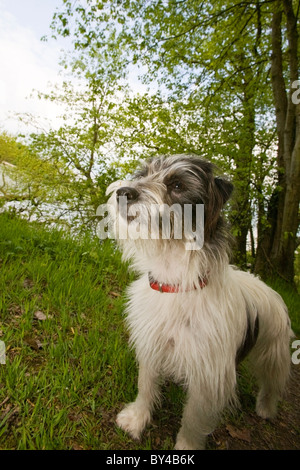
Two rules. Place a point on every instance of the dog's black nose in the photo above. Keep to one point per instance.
(131, 193)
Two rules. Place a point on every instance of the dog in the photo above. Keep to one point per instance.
(192, 316)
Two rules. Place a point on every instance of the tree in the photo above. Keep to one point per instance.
(84, 148)
(10, 148)
(216, 56)
(27, 181)
(279, 239)
(70, 167)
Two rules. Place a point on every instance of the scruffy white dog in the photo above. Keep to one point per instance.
(193, 317)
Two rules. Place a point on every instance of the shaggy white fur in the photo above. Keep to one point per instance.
(196, 336)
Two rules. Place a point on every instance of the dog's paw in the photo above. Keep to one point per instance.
(185, 442)
(266, 411)
(266, 405)
(133, 419)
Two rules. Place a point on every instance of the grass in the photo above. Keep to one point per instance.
(66, 372)
(292, 300)
(68, 367)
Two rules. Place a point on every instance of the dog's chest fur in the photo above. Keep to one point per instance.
(181, 332)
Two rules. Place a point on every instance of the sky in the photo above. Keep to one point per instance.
(26, 62)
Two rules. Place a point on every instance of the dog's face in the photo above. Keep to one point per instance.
(177, 182)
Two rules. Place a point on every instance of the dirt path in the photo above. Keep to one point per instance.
(254, 433)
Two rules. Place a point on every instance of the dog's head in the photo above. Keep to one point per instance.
(182, 183)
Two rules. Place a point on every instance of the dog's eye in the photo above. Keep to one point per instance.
(177, 186)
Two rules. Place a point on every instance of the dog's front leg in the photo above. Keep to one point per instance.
(136, 415)
(197, 422)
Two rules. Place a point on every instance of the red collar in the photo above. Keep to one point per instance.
(170, 288)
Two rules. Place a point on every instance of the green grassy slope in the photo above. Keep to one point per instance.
(68, 367)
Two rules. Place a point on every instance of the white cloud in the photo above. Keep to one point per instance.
(26, 64)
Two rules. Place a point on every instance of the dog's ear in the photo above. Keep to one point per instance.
(220, 191)
(224, 188)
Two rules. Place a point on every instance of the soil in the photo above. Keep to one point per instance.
(254, 433)
(245, 430)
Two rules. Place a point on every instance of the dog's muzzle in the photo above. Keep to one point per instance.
(130, 195)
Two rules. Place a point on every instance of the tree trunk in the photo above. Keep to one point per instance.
(277, 244)
(241, 218)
